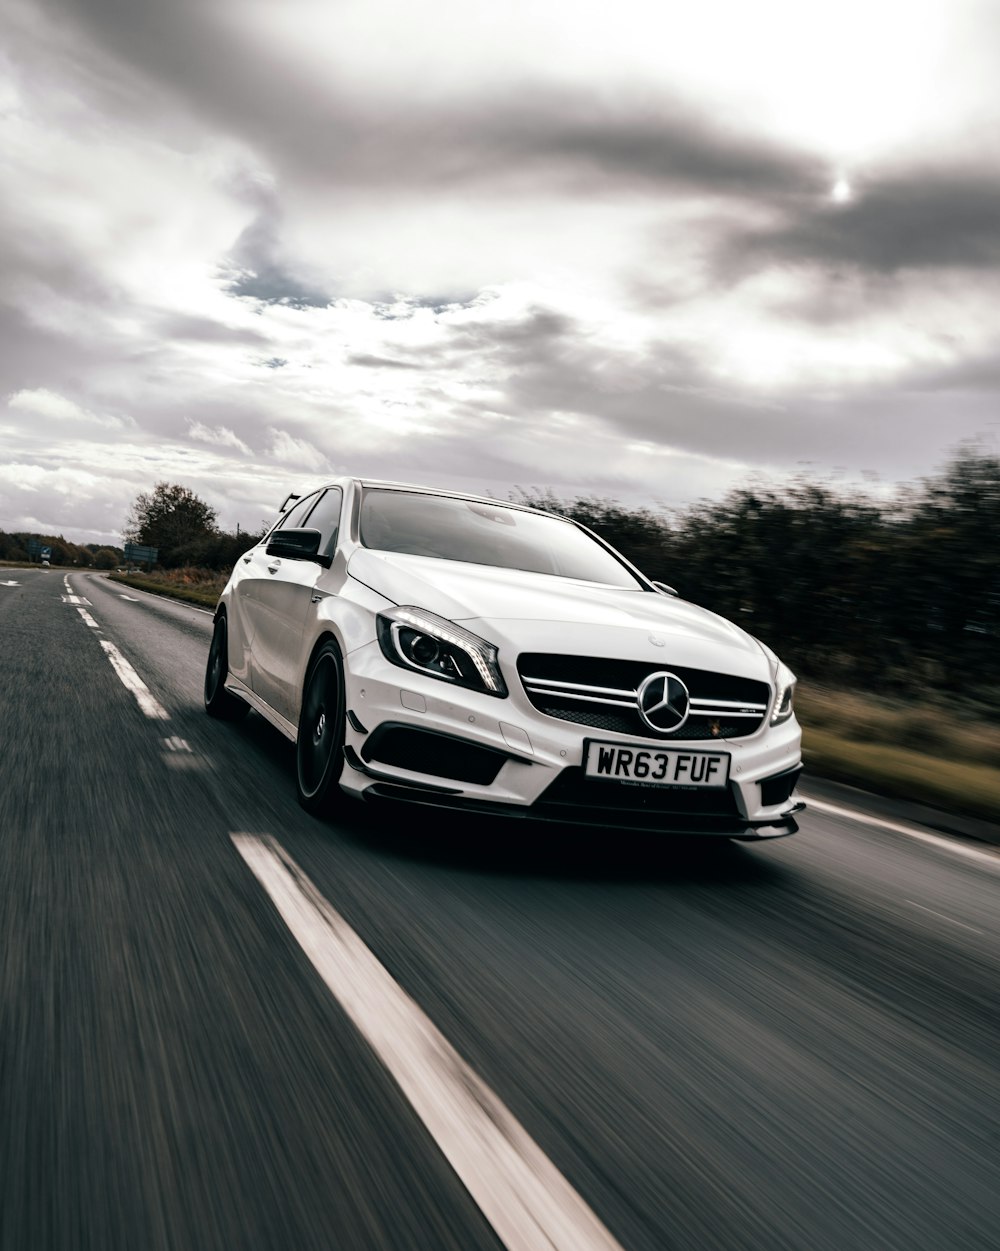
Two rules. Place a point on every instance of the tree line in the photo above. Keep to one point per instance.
(15, 547)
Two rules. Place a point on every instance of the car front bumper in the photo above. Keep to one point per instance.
(413, 738)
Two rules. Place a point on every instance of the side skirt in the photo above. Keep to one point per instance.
(237, 688)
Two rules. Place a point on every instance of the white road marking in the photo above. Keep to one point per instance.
(519, 1190)
(131, 681)
(10, 584)
(131, 598)
(935, 913)
(946, 844)
(88, 618)
(77, 599)
(177, 744)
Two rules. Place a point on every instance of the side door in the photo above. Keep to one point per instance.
(284, 602)
(255, 573)
(240, 612)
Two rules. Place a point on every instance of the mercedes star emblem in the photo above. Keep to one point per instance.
(664, 702)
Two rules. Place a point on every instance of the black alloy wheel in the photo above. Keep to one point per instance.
(319, 748)
(218, 701)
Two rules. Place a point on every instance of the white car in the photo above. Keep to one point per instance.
(444, 649)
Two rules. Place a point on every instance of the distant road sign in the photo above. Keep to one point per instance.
(46, 553)
(141, 554)
(35, 549)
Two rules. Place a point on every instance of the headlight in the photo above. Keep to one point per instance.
(784, 704)
(416, 639)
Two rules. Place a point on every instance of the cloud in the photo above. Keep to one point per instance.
(62, 479)
(367, 360)
(290, 450)
(920, 218)
(220, 435)
(48, 404)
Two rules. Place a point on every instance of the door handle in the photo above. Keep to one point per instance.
(246, 559)
(275, 567)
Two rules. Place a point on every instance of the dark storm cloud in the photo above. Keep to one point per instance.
(367, 361)
(917, 219)
(314, 134)
(636, 145)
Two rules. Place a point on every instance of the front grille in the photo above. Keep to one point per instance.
(575, 797)
(593, 691)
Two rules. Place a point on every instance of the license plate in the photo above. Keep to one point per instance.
(653, 766)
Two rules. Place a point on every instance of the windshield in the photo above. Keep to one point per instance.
(486, 534)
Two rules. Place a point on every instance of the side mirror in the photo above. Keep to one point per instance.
(664, 589)
(297, 544)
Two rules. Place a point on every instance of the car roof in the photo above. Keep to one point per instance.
(415, 488)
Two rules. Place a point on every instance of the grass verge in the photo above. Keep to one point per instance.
(971, 790)
(929, 753)
(177, 584)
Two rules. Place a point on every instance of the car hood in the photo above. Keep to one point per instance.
(540, 612)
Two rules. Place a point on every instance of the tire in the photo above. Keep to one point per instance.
(319, 746)
(219, 702)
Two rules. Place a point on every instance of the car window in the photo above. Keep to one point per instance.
(325, 517)
(294, 516)
(486, 534)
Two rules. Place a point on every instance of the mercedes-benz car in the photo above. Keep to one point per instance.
(464, 652)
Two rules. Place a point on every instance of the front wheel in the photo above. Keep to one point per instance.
(218, 701)
(319, 747)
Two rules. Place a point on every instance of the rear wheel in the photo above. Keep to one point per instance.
(218, 701)
(319, 748)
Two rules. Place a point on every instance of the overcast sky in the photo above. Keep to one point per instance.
(638, 249)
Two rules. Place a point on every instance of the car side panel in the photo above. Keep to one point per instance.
(281, 606)
(238, 602)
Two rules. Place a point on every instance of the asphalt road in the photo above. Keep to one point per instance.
(791, 1045)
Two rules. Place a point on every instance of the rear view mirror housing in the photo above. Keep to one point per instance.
(297, 544)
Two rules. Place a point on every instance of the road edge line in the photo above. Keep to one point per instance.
(935, 840)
